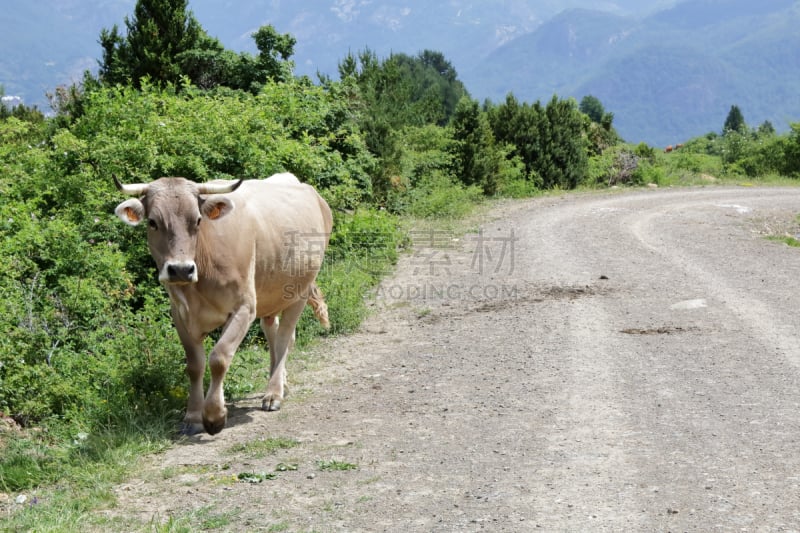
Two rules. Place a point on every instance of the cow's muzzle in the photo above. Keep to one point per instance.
(179, 273)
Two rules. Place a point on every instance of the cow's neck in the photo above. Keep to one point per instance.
(180, 302)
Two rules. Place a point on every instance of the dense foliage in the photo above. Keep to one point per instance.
(88, 346)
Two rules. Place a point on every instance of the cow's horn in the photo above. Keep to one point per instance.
(134, 189)
(218, 188)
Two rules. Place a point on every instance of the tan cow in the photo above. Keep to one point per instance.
(228, 253)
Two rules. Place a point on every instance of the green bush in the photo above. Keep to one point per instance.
(647, 172)
(741, 153)
(519, 186)
(600, 169)
(88, 342)
(620, 165)
(437, 196)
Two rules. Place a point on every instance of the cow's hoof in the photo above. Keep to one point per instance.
(189, 429)
(212, 428)
(270, 404)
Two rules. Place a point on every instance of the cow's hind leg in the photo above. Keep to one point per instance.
(280, 336)
(269, 325)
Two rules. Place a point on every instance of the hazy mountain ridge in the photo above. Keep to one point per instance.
(50, 42)
(666, 74)
(666, 77)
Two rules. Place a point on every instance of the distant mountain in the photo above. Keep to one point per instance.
(45, 43)
(666, 77)
(464, 30)
(668, 71)
(559, 55)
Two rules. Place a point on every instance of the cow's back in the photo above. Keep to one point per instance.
(272, 242)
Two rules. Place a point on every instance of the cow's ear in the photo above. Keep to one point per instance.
(130, 211)
(215, 207)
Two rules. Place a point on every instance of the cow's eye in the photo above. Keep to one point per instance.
(152, 223)
(198, 220)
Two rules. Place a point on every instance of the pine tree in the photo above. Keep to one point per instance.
(165, 42)
(518, 125)
(566, 161)
(470, 135)
(734, 121)
(157, 33)
(549, 140)
(591, 106)
(477, 156)
(766, 129)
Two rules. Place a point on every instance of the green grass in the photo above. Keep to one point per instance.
(255, 477)
(202, 519)
(787, 240)
(74, 477)
(334, 465)
(261, 448)
(422, 313)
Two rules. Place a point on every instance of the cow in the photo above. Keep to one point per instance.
(668, 149)
(229, 252)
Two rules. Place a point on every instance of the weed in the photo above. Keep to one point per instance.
(263, 447)
(209, 520)
(785, 239)
(202, 518)
(253, 477)
(175, 471)
(172, 525)
(334, 465)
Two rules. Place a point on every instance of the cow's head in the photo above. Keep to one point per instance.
(174, 209)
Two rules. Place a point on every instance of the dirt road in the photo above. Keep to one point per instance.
(620, 362)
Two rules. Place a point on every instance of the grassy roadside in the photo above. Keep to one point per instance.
(59, 475)
(76, 479)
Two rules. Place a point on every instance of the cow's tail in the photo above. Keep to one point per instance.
(317, 302)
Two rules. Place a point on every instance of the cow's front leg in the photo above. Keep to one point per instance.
(281, 341)
(214, 411)
(195, 368)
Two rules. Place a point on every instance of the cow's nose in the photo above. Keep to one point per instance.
(182, 272)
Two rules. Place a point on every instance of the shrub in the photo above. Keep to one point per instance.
(620, 165)
(647, 172)
(88, 342)
(438, 196)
